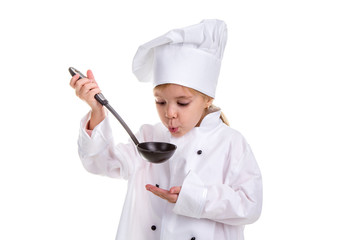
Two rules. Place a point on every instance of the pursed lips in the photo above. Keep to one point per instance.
(173, 129)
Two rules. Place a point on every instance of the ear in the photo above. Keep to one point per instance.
(209, 101)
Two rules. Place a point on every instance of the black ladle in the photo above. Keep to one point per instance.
(155, 152)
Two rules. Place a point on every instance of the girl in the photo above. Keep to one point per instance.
(211, 187)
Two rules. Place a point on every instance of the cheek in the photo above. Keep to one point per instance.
(161, 112)
(193, 117)
(157, 108)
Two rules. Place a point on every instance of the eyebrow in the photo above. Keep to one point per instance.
(186, 97)
(179, 97)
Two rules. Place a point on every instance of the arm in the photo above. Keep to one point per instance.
(97, 151)
(236, 202)
(100, 155)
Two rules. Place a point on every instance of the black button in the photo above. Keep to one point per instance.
(157, 185)
(199, 152)
(153, 227)
(193, 238)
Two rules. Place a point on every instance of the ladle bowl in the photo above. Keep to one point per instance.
(154, 152)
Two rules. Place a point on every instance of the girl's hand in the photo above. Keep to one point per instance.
(85, 89)
(171, 195)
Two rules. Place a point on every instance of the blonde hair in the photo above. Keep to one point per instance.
(212, 108)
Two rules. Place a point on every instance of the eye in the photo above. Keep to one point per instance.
(182, 104)
(160, 102)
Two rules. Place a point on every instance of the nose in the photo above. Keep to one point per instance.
(171, 112)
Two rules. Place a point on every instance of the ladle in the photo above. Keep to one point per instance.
(155, 152)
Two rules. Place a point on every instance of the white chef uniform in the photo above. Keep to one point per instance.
(221, 182)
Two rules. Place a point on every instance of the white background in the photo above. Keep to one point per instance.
(289, 83)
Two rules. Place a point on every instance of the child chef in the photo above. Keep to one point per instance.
(211, 187)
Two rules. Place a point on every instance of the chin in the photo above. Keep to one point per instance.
(177, 134)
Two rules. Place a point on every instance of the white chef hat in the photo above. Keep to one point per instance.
(189, 56)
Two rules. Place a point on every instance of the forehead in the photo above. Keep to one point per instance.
(172, 90)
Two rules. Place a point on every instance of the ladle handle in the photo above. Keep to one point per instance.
(117, 116)
(103, 101)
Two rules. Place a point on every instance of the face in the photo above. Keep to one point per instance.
(180, 109)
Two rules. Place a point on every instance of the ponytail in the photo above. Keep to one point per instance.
(223, 118)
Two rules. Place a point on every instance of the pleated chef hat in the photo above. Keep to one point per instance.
(190, 57)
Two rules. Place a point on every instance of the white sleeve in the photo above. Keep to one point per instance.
(237, 202)
(100, 155)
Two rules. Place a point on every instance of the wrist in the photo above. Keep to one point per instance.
(97, 116)
(98, 111)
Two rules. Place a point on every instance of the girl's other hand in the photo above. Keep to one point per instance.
(171, 195)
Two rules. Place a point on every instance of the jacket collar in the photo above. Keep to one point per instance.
(211, 120)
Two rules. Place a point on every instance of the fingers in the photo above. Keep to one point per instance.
(83, 87)
(86, 89)
(73, 80)
(170, 196)
(175, 190)
(158, 191)
(90, 75)
(76, 77)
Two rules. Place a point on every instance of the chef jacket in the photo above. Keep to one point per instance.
(221, 181)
